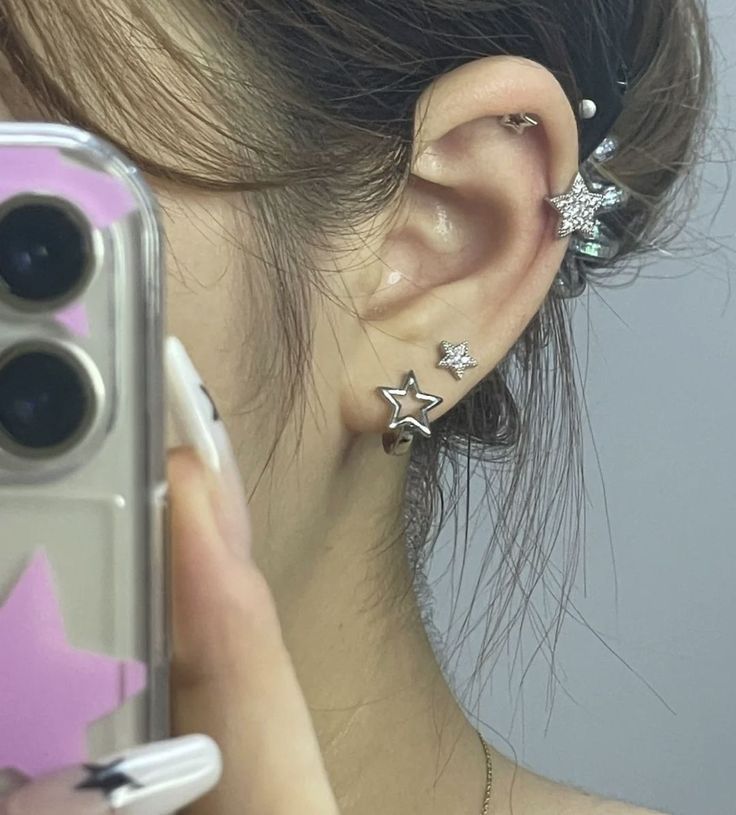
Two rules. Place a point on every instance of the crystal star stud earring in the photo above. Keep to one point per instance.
(518, 122)
(401, 428)
(456, 358)
(578, 209)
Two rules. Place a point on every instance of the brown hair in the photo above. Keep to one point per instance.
(309, 105)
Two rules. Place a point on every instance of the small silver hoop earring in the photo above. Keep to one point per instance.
(402, 429)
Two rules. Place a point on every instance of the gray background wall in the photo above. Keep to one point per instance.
(661, 392)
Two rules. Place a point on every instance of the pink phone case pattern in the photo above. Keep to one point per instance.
(50, 691)
(102, 198)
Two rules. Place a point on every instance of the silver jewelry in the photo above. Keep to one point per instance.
(605, 151)
(401, 429)
(588, 109)
(601, 244)
(456, 358)
(578, 208)
(518, 122)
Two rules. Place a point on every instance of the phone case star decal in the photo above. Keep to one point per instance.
(75, 319)
(102, 198)
(50, 691)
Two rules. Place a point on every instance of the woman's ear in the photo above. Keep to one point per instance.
(472, 251)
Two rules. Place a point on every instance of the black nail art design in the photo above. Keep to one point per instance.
(215, 413)
(107, 778)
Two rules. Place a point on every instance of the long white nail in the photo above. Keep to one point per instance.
(194, 413)
(157, 778)
(198, 424)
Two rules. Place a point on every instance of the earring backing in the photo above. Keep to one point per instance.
(402, 429)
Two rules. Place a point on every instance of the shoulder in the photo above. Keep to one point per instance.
(520, 790)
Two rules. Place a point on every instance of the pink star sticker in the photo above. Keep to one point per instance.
(51, 692)
(75, 318)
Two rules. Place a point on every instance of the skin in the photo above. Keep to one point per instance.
(318, 684)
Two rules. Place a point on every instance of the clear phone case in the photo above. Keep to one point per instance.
(83, 626)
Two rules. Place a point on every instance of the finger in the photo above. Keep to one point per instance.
(155, 779)
(233, 676)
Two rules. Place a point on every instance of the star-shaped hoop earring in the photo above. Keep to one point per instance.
(578, 208)
(401, 429)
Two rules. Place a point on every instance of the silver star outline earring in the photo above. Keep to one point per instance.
(456, 358)
(401, 429)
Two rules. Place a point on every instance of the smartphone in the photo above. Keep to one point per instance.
(84, 640)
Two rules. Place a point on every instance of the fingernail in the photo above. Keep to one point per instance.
(157, 778)
(195, 415)
(199, 425)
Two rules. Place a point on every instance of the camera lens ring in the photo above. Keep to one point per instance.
(84, 383)
(78, 229)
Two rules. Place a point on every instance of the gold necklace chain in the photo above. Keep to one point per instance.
(489, 775)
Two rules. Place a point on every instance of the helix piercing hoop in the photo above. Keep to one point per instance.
(456, 358)
(402, 428)
(518, 122)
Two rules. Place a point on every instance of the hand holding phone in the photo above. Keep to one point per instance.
(84, 645)
(83, 623)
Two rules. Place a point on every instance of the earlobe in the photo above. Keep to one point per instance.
(474, 248)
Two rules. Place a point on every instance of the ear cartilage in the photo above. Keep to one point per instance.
(518, 122)
(456, 358)
(402, 428)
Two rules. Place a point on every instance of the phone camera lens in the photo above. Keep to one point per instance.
(46, 401)
(45, 252)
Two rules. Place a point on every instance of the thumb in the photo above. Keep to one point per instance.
(233, 678)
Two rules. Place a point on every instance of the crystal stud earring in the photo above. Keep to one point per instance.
(407, 419)
(518, 122)
(456, 358)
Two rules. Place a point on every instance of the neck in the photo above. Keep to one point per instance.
(393, 736)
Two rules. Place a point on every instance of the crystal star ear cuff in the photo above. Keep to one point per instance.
(578, 209)
(407, 419)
